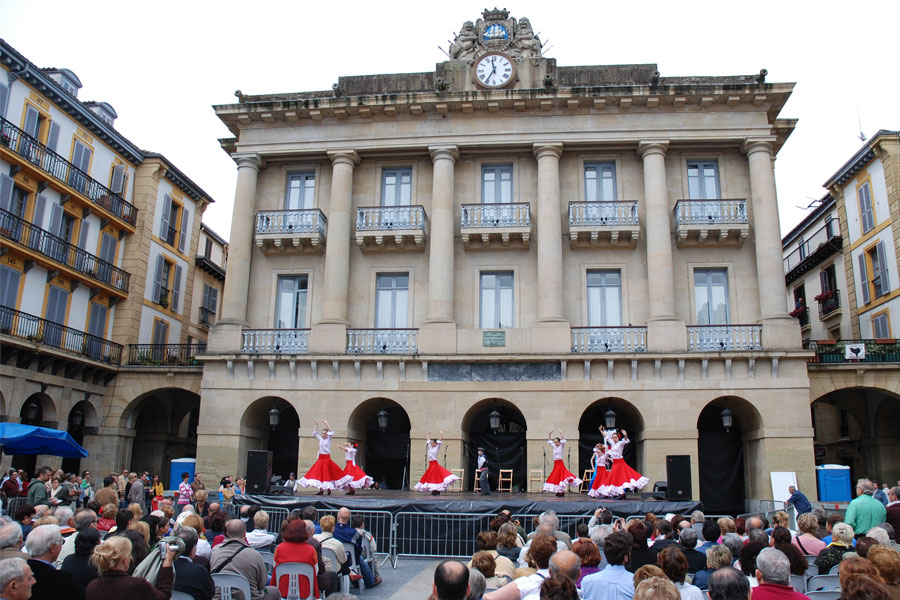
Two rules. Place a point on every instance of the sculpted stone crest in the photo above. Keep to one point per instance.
(496, 31)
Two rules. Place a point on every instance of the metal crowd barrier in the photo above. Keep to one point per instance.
(277, 516)
(13, 504)
(567, 523)
(437, 535)
(380, 523)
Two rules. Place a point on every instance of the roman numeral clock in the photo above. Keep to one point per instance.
(494, 70)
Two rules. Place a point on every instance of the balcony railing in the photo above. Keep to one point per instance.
(823, 243)
(850, 351)
(207, 316)
(609, 339)
(62, 252)
(702, 212)
(65, 172)
(603, 214)
(830, 302)
(513, 214)
(307, 220)
(382, 341)
(41, 331)
(165, 355)
(275, 341)
(390, 218)
(719, 338)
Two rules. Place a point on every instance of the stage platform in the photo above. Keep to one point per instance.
(397, 501)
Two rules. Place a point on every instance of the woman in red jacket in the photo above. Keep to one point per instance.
(295, 549)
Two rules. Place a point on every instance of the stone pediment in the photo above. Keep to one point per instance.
(496, 31)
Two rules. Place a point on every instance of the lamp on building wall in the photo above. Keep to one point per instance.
(494, 418)
(76, 417)
(274, 416)
(383, 417)
(727, 419)
(30, 411)
(609, 418)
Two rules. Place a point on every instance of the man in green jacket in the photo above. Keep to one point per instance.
(37, 490)
(864, 512)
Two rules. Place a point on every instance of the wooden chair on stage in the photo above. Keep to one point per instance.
(477, 487)
(505, 480)
(457, 485)
(586, 481)
(535, 481)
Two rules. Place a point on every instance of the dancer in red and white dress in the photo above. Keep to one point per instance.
(436, 478)
(359, 478)
(621, 478)
(325, 474)
(560, 477)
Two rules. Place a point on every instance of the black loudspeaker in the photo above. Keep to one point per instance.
(678, 476)
(259, 471)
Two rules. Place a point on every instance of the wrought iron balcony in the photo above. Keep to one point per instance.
(382, 341)
(275, 341)
(207, 316)
(60, 252)
(609, 339)
(721, 338)
(595, 223)
(823, 243)
(496, 223)
(285, 230)
(48, 161)
(206, 264)
(721, 221)
(854, 351)
(829, 304)
(404, 225)
(72, 341)
(165, 355)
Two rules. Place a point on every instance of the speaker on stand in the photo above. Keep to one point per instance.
(259, 471)
(678, 476)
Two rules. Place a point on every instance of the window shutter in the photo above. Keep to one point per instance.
(77, 154)
(157, 281)
(4, 96)
(85, 160)
(53, 136)
(56, 212)
(213, 299)
(31, 122)
(118, 179)
(82, 238)
(164, 222)
(6, 188)
(176, 288)
(823, 281)
(39, 205)
(864, 280)
(184, 229)
(882, 267)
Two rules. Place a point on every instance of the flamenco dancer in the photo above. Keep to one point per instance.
(359, 479)
(560, 477)
(598, 461)
(436, 478)
(621, 477)
(325, 474)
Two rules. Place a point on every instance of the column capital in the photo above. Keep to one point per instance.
(251, 160)
(648, 147)
(444, 153)
(757, 144)
(348, 156)
(542, 149)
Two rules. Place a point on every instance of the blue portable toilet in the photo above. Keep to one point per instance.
(834, 483)
(177, 466)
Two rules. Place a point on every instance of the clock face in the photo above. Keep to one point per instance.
(494, 70)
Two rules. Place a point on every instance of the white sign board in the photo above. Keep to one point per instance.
(855, 351)
(781, 480)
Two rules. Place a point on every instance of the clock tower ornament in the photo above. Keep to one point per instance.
(496, 33)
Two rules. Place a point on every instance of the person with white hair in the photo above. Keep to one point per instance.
(841, 542)
(864, 512)
(44, 545)
(16, 579)
(773, 572)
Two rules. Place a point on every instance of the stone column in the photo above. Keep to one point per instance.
(665, 332)
(549, 234)
(329, 335)
(226, 333)
(779, 330)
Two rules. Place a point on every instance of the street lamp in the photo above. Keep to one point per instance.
(727, 419)
(31, 410)
(76, 418)
(494, 418)
(274, 416)
(610, 418)
(382, 416)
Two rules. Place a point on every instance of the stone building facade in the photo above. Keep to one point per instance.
(502, 247)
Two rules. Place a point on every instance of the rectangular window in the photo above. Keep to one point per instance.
(57, 302)
(866, 211)
(208, 305)
(881, 326)
(703, 179)
(599, 182)
(97, 328)
(4, 98)
(117, 180)
(9, 295)
(160, 331)
(166, 280)
(604, 296)
(711, 296)
(396, 187)
(53, 136)
(391, 300)
(876, 267)
(497, 300)
(496, 184)
(290, 309)
(300, 191)
(81, 158)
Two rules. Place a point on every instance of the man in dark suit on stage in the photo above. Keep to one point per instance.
(44, 545)
(192, 578)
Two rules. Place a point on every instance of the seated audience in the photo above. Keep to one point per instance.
(590, 557)
(728, 584)
(842, 539)
(781, 539)
(235, 556)
(806, 539)
(673, 563)
(717, 557)
(295, 549)
(656, 588)
(79, 564)
(112, 559)
(773, 573)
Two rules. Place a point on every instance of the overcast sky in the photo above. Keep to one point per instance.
(162, 65)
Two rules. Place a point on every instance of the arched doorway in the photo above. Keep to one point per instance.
(82, 420)
(621, 414)
(722, 453)
(39, 410)
(381, 428)
(165, 426)
(276, 431)
(499, 427)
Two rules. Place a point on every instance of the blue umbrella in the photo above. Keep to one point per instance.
(16, 438)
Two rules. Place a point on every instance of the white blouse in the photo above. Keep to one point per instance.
(324, 442)
(350, 454)
(558, 450)
(433, 450)
(616, 450)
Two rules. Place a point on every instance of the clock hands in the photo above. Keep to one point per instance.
(493, 69)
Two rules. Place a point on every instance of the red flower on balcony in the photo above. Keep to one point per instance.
(826, 295)
(797, 312)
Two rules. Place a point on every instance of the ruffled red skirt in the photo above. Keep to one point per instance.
(560, 478)
(325, 474)
(358, 477)
(436, 478)
(617, 481)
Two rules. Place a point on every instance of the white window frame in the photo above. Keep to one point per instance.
(702, 164)
(599, 167)
(498, 308)
(300, 323)
(398, 192)
(498, 168)
(304, 176)
(881, 320)
(602, 274)
(729, 317)
(393, 293)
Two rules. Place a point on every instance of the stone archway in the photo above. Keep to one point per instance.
(383, 438)
(40, 410)
(627, 417)
(506, 446)
(283, 440)
(82, 424)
